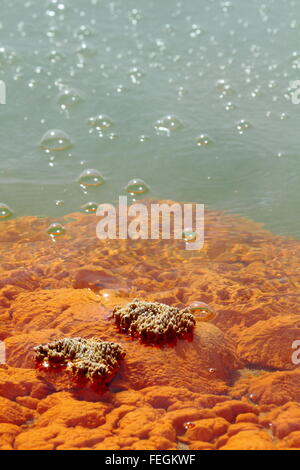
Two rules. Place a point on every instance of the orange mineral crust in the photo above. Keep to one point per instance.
(231, 383)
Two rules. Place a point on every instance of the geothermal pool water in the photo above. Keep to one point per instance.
(178, 101)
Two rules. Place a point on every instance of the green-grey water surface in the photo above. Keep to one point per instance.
(195, 98)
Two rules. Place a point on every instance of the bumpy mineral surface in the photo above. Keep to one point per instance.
(91, 358)
(234, 386)
(153, 321)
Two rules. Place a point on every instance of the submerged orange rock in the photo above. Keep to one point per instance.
(231, 385)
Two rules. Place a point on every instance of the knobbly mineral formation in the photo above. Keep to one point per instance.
(91, 358)
(153, 321)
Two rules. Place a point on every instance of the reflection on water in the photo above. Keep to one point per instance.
(192, 97)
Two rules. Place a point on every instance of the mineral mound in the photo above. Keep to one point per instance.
(153, 321)
(90, 358)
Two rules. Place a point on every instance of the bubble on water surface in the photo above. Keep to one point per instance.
(69, 98)
(189, 235)
(56, 56)
(53, 32)
(189, 425)
(203, 140)
(59, 202)
(136, 75)
(195, 31)
(202, 311)
(135, 16)
(224, 88)
(89, 207)
(256, 92)
(143, 138)
(86, 50)
(5, 211)
(84, 31)
(100, 122)
(167, 124)
(55, 7)
(243, 126)
(272, 84)
(55, 140)
(230, 106)
(56, 230)
(91, 177)
(7, 56)
(121, 89)
(252, 397)
(168, 28)
(32, 83)
(181, 92)
(136, 186)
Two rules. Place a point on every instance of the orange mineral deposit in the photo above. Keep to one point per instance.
(231, 384)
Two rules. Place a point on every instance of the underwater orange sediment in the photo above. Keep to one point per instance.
(233, 386)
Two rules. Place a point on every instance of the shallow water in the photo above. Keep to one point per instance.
(221, 69)
(183, 101)
(235, 372)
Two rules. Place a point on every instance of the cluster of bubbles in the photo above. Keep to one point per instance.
(90, 178)
(68, 98)
(57, 140)
(56, 229)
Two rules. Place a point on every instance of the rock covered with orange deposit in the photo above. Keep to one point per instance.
(88, 359)
(154, 322)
